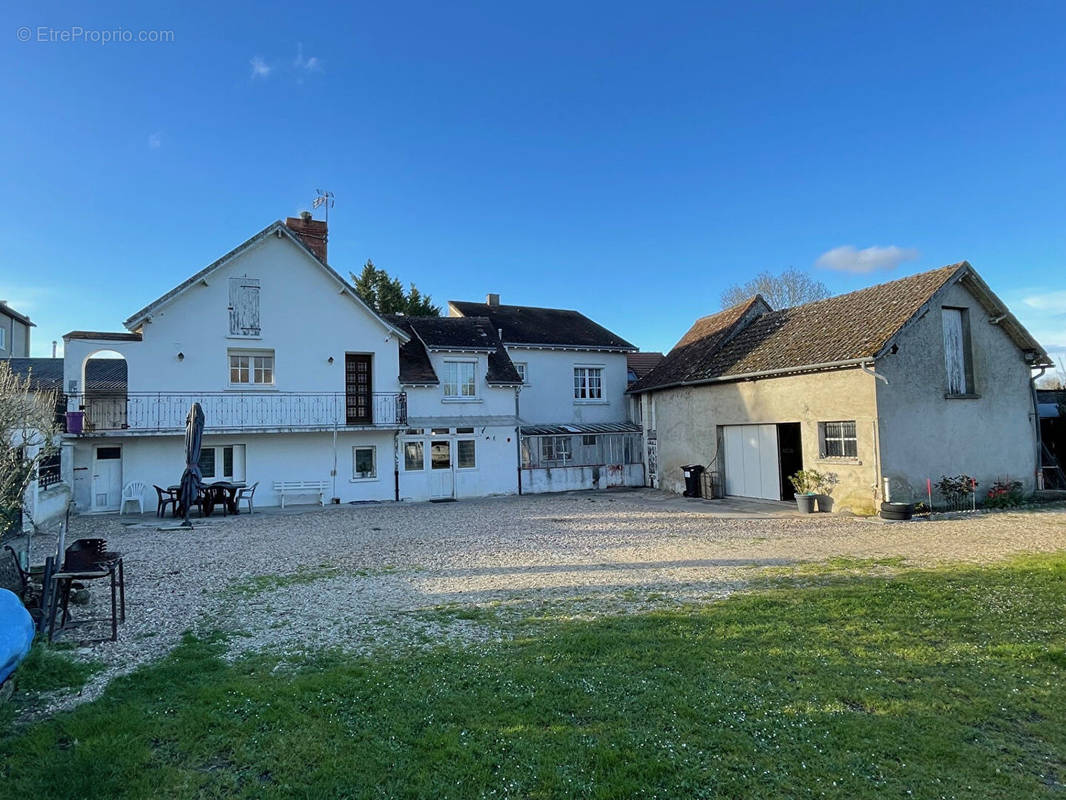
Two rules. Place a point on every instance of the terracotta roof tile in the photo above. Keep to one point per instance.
(738, 342)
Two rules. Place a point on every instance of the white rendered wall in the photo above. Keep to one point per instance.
(548, 398)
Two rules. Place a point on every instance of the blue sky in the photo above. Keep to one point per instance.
(627, 160)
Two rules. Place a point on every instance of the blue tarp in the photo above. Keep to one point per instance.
(16, 633)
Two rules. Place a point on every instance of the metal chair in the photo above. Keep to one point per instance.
(132, 492)
(167, 497)
(247, 493)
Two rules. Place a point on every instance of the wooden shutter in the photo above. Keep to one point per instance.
(244, 307)
(955, 350)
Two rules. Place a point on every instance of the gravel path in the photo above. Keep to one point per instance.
(361, 577)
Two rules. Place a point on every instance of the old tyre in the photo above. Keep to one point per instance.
(897, 511)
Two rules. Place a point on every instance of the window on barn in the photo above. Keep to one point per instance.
(958, 359)
(244, 307)
(555, 448)
(839, 439)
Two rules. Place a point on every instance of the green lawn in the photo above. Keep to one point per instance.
(948, 683)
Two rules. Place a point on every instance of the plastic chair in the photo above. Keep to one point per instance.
(247, 493)
(166, 497)
(132, 492)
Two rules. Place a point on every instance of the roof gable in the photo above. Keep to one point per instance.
(846, 329)
(529, 326)
(282, 231)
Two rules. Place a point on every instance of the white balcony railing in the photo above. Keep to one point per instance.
(167, 411)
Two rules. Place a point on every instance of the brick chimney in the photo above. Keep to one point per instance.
(312, 232)
(492, 299)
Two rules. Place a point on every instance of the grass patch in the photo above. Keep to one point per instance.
(48, 668)
(260, 584)
(926, 683)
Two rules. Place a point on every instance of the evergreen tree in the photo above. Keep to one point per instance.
(385, 294)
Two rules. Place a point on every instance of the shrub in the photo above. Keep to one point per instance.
(955, 490)
(1004, 493)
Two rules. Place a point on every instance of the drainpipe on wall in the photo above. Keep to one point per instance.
(1036, 422)
(518, 437)
(396, 463)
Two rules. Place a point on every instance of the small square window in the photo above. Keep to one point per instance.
(251, 368)
(588, 441)
(839, 440)
(364, 463)
(588, 383)
(523, 370)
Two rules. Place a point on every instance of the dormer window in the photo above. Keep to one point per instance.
(244, 307)
(459, 380)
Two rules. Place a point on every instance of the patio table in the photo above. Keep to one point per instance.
(212, 494)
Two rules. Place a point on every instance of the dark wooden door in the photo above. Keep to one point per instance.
(358, 390)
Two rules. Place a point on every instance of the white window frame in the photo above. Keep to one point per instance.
(251, 355)
(824, 437)
(584, 383)
(460, 384)
(522, 368)
(238, 456)
(3, 338)
(356, 477)
(421, 443)
(472, 441)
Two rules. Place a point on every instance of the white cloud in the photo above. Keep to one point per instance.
(1052, 302)
(155, 140)
(311, 64)
(260, 69)
(850, 259)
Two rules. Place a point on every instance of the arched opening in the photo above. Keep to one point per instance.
(104, 378)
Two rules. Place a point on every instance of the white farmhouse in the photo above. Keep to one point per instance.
(302, 383)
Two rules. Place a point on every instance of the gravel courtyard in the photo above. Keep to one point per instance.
(368, 576)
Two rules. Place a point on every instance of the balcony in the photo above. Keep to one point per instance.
(165, 412)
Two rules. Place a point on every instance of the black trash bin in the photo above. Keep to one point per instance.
(693, 472)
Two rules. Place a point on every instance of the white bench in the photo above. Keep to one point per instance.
(302, 487)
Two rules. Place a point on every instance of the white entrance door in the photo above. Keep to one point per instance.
(752, 466)
(442, 469)
(107, 478)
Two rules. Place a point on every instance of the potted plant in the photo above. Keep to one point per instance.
(824, 490)
(806, 483)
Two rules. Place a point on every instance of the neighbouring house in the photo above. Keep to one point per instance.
(14, 333)
(576, 428)
(892, 385)
(47, 498)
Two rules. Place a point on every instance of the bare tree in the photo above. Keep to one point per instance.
(28, 434)
(790, 288)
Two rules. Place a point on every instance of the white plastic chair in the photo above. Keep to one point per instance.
(132, 492)
(248, 493)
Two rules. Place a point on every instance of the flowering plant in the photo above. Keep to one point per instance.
(1004, 493)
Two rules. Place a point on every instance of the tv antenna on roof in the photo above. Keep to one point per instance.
(323, 198)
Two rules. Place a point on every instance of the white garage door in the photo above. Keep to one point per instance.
(752, 468)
